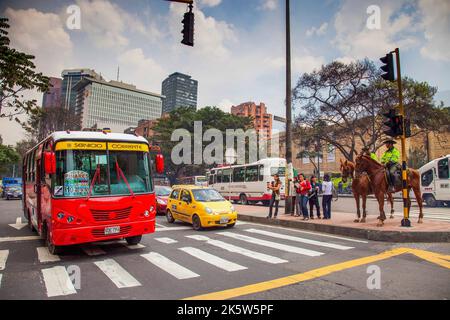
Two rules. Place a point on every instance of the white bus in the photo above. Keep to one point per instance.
(248, 183)
(435, 182)
(195, 180)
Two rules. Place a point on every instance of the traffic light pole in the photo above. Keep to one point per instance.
(405, 222)
(288, 202)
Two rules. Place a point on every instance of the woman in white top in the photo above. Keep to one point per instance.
(327, 188)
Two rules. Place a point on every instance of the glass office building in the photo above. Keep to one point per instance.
(70, 78)
(179, 90)
(114, 105)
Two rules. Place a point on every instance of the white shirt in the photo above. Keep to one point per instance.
(327, 187)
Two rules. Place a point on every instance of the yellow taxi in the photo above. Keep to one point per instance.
(203, 207)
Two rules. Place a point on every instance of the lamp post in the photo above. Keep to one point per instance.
(288, 202)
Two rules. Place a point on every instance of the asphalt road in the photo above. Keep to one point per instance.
(176, 262)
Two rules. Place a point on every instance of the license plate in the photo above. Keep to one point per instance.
(112, 230)
(223, 220)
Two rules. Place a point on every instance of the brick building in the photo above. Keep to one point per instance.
(262, 120)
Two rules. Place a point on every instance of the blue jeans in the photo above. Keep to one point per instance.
(326, 205)
(302, 204)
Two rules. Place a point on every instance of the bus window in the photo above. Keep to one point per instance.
(261, 172)
(251, 174)
(239, 174)
(443, 172)
(226, 175)
(219, 176)
(33, 166)
(277, 170)
(211, 178)
(427, 178)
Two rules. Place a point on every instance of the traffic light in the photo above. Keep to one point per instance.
(388, 67)
(188, 29)
(394, 124)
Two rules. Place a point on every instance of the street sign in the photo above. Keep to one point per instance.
(279, 119)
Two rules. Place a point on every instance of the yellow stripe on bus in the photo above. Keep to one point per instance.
(122, 146)
(80, 145)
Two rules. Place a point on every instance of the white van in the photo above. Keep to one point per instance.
(435, 182)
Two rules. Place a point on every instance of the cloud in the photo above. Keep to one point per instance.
(140, 70)
(299, 64)
(210, 3)
(225, 105)
(268, 5)
(320, 31)
(436, 26)
(42, 35)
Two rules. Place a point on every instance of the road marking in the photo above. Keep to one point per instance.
(298, 239)
(166, 240)
(134, 246)
(57, 282)
(235, 249)
(14, 239)
(169, 266)
(92, 250)
(311, 233)
(18, 225)
(212, 259)
(173, 228)
(118, 275)
(279, 246)
(45, 256)
(3, 257)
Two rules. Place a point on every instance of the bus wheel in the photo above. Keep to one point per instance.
(196, 223)
(243, 199)
(134, 240)
(431, 201)
(49, 243)
(169, 217)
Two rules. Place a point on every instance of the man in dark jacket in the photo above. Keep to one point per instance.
(314, 198)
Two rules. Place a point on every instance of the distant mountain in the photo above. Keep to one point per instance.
(443, 96)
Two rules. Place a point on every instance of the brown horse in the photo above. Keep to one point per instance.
(360, 188)
(377, 175)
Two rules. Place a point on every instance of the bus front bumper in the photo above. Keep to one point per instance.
(71, 236)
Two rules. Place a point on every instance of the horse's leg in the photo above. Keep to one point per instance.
(419, 202)
(358, 211)
(382, 217)
(364, 199)
(391, 200)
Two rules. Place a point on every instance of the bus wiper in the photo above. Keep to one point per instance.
(94, 178)
(120, 173)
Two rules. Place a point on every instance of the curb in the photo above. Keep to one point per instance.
(374, 235)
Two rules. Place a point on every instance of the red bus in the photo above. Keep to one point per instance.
(89, 186)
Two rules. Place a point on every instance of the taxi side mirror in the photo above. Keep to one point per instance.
(49, 162)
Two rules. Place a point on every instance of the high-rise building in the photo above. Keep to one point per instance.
(262, 120)
(114, 104)
(70, 78)
(179, 90)
(52, 98)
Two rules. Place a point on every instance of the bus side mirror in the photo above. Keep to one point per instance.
(159, 163)
(49, 162)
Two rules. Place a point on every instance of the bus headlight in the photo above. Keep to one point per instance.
(60, 215)
(146, 213)
(152, 208)
(208, 210)
(70, 219)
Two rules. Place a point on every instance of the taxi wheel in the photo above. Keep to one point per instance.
(231, 225)
(196, 223)
(169, 217)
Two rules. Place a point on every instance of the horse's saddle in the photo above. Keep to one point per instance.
(395, 172)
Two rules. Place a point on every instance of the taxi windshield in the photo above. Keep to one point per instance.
(207, 195)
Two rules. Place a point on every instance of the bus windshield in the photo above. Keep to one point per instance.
(109, 173)
(280, 171)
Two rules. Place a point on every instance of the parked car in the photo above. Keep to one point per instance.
(162, 195)
(202, 207)
(13, 192)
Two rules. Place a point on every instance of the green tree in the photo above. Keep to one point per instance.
(183, 118)
(17, 76)
(8, 158)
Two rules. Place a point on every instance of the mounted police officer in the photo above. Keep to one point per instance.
(390, 160)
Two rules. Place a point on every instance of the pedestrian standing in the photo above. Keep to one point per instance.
(314, 198)
(303, 190)
(327, 196)
(275, 186)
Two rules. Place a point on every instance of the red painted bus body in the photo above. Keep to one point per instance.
(113, 199)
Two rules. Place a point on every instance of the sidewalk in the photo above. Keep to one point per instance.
(342, 223)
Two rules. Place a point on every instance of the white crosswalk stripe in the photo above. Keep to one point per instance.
(3, 257)
(93, 250)
(235, 249)
(169, 266)
(45, 256)
(271, 244)
(212, 259)
(134, 246)
(166, 240)
(299, 239)
(118, 275)
(57, 282)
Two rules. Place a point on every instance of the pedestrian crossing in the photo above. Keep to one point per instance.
(436, 214)
(179, 257)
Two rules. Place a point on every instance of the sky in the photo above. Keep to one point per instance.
(239, 51)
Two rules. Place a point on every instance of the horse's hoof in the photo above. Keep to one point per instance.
(391, 217)
(380, 223)
(363, 220)
(356, 220)
(420, 220)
